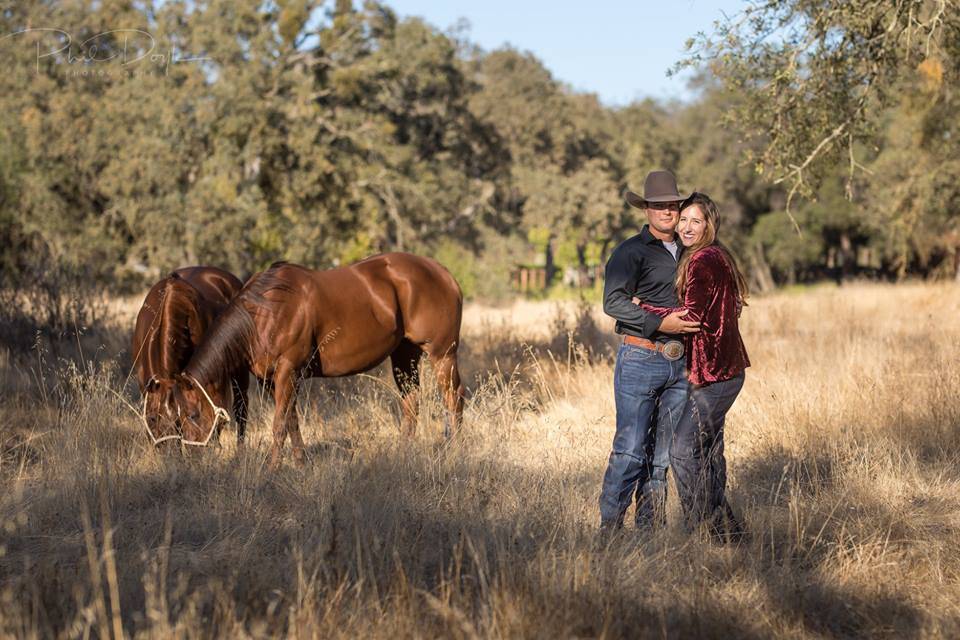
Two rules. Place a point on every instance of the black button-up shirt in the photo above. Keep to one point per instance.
(640, 266)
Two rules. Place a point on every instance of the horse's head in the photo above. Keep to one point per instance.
(159, 410)
(201, 408)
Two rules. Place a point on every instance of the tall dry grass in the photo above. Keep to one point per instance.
(844, 455)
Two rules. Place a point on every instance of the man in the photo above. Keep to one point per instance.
(650, 384)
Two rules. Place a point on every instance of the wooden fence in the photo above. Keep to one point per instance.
(528, 278)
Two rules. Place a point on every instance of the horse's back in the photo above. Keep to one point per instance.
(427, 296)
(215, 285)
(376, 303)
(405, 269)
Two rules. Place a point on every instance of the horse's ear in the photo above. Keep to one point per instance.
(152, 384)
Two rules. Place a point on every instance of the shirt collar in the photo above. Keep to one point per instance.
(648, 238)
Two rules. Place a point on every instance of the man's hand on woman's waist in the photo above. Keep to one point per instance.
(673, 322)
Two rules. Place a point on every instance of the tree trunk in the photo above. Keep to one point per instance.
(582, 273)
(549, 266)
(393, 212)
(761, 270)
(847, 257)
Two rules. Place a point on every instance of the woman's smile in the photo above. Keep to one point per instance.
(691, 226)
(688, 236)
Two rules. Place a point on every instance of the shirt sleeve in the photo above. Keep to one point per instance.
(619, 285)
(701, 288)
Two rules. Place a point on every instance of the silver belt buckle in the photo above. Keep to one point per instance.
(672, 350)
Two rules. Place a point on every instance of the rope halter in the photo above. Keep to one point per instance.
(155, 440)
(219, 414)
(146, 425)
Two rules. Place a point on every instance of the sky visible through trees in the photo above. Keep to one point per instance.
(621, 51)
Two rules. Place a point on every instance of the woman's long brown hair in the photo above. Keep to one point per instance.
(712, 218)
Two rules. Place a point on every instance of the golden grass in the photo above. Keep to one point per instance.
(844, 456)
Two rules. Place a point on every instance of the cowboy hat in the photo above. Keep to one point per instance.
(660, 186)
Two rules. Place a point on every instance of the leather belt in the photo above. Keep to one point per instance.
(671, 349)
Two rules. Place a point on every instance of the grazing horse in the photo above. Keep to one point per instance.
(290, 323)
(175, 315)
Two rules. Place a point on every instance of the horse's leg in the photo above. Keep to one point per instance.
(240, 383)
(448, 379)
(293, 428)
(405, 361)
(285, 415)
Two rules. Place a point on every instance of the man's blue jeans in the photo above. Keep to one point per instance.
(650, 393)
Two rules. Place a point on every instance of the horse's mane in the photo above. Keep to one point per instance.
(227, 345)
(180, 303)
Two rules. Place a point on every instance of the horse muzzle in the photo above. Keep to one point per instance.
(221, 417)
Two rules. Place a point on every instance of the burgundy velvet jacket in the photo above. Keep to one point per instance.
(716, 352)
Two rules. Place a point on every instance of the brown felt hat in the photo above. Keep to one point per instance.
(660, 186)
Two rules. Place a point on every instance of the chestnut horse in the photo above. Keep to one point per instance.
(174, 317)
(290, 323)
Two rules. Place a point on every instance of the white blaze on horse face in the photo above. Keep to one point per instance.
(159, 413)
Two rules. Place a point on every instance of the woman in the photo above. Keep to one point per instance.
(713, 291)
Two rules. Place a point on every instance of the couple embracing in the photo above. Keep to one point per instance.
(676, 294)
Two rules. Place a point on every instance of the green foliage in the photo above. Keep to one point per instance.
(461, 264)
(324, 132)
(831, 222)
(565, 174)
(913, 193)
(786, 251)
(486, 276)
(270, 149)
(812, 74)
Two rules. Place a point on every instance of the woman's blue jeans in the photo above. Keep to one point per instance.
(650, 393)
(699, 465)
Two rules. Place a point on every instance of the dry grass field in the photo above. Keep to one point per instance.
(844, 456)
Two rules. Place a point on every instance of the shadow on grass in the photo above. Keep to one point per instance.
(388, 521)
(811, 518)
(483, 535)
(827, 610)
